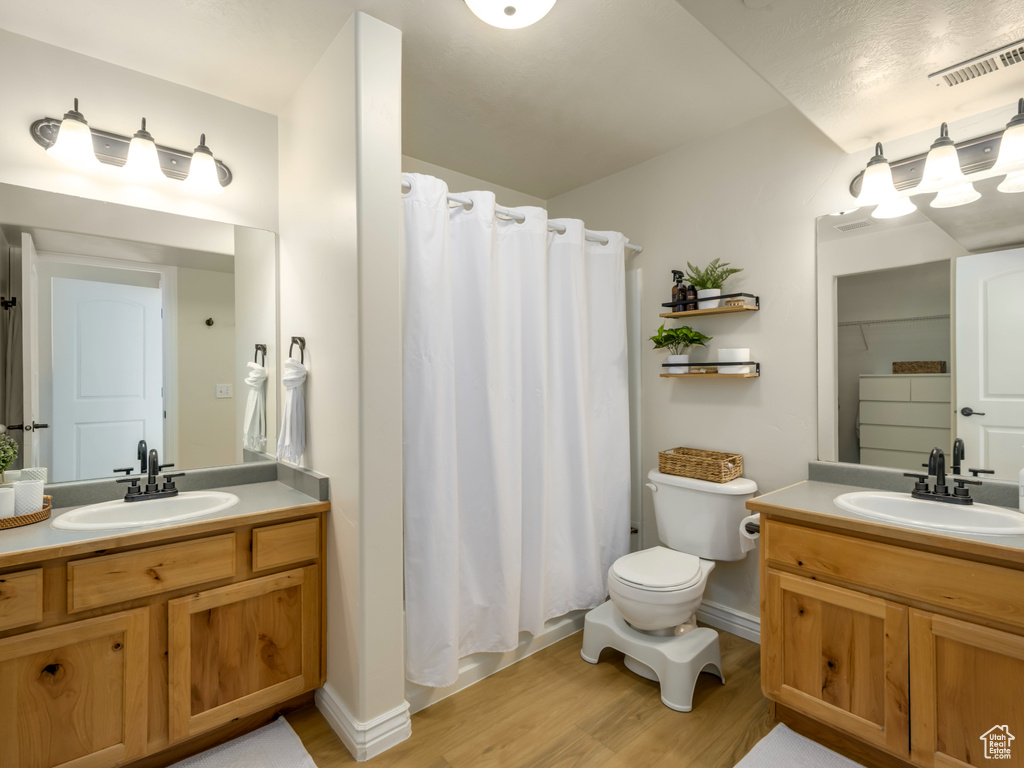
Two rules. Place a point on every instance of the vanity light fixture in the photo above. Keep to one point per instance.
(1011, 153)
(877, 189)
(143, 164)
(202, 174)
(510, 14)
(942, 174)
(74, 141)
(139, 153)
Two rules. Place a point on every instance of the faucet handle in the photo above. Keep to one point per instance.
(961, 486)
(922, 481)
(126, 470)
(169, 481)
(133, 489)
(977, 472)
(162, 467)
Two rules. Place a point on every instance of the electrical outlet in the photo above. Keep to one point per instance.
(223, 390)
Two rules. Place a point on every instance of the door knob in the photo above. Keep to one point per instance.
(968, 411)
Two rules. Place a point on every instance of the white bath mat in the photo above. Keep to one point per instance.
(272, 746)
(782, 748)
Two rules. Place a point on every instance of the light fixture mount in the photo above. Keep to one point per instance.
(112, 148)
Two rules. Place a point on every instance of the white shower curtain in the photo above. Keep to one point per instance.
(516, 453)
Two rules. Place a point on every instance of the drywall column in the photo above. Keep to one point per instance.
(341, 219)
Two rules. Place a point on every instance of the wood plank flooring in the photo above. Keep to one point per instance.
(554, 710)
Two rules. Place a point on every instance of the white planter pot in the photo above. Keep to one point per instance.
(677, 359)
(738, 355)
(714, 303)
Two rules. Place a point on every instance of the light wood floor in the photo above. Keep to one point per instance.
(554, 709)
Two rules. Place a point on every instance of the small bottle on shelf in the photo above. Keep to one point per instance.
(691, 299)
(678, 291)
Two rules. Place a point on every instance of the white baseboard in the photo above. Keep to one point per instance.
(475, 668)
(730, 620)
(364, 739)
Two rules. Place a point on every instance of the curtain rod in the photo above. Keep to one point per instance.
(519, 218)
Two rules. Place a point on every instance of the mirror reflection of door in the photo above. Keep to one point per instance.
(107, 375)
(990, 359)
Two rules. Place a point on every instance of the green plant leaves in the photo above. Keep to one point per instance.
(713, 275)
(676, 339)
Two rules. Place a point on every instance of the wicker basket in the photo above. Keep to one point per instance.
(920, 366)
(34, 517)
(713, 466)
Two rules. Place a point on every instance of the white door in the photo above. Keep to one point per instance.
(990, 360)
(30, 352)
(107, 376)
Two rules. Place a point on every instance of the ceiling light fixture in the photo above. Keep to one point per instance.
(510, 14)
(202, 174)
(141, 158)
(942, 174)
(74, 141)
(877, 189)
(143, 164)
(1011, 153)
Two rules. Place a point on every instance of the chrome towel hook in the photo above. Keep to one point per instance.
(301, 341)
(260, 349)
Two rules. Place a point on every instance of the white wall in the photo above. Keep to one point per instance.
(460, 182)
(207, 433)
(39, 80)
(340, 247)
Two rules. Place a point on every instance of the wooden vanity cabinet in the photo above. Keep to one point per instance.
(162, 644)
(857, 635)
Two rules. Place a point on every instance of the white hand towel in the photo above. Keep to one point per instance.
(254, 425)
(292, 440)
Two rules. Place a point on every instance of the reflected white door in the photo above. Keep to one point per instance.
(989, 360)
(30, 352)
(107, 376)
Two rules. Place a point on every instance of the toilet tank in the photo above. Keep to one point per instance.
(699, 517)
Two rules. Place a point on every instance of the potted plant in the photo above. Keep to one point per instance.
(678, 342)
(709, 281)
(8, 453)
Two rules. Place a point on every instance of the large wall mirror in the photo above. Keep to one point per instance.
(921, 334)
(122, 325)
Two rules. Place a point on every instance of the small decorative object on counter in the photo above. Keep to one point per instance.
(920, 366)
(6, 502)
(678, 342)
(714, 466)
(709, 281)
(691, 299)
(8, 453)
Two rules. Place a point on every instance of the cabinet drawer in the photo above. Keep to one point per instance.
(21, 598)
(286, 544)
(978, 589)
(111, 579)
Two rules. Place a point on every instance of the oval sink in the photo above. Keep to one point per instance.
(112, 515)
(904, 509)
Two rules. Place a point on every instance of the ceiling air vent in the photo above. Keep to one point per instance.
(986, 64)
(859, 224)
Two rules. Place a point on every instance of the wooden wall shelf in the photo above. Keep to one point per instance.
(716, 311)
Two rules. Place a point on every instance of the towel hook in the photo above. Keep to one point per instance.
(301, 341)
(260, 348)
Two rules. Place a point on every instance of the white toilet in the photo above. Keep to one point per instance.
(656, 592)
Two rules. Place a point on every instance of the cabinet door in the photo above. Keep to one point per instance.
(75, 696)
(241, 648)
(838, 656)
(966, 685)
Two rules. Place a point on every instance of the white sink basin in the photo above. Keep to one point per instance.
(904, 509)
(113, 515)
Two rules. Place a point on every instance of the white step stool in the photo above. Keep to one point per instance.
(676, 660)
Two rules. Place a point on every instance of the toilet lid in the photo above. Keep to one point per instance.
(658, 568)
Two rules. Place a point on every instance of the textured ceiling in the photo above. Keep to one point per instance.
(858, 69)
(595, 87)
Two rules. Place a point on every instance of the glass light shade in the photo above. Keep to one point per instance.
(143, 163)
(876, 186)
(1014, 182)
(74, 141)
(202, 172)
(941, 169)
(510, 14)
(894, 208)
(959, 194)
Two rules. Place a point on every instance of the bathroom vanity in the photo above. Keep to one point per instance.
(140, 647)
(898, 645)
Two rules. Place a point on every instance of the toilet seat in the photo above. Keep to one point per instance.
(658, 569)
